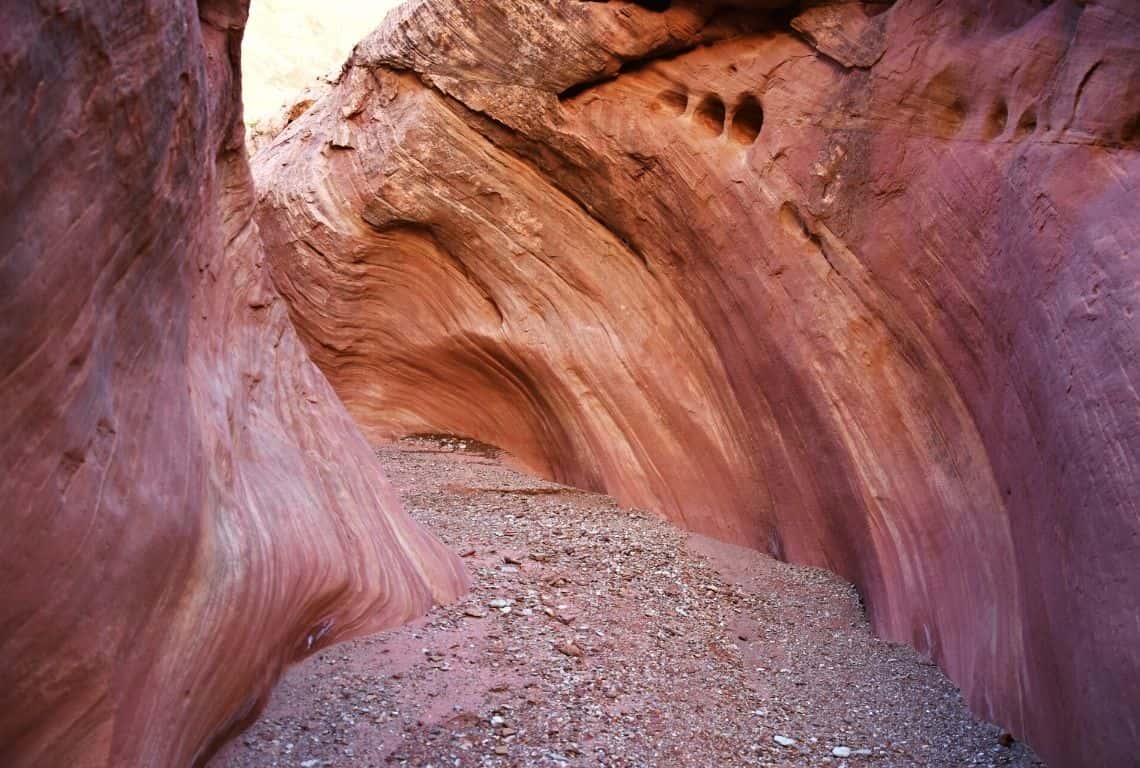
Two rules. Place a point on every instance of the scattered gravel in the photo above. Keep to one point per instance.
(599, 636)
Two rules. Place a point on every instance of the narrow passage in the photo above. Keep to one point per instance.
(600, 636)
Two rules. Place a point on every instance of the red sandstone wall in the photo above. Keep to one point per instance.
(855, 285)
(187, 506)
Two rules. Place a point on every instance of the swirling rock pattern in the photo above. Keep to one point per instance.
(187, 506)
(854, 284)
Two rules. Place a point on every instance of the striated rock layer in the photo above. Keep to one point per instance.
(187, 506)
(855, 284)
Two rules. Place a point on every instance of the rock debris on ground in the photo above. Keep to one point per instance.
(600, 636)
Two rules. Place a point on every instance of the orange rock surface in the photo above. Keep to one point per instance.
(855, 284)
(187, 505)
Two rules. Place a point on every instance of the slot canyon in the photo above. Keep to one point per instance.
(690, 382)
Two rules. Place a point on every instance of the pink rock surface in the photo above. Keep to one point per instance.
(854, 285)
(187, 506)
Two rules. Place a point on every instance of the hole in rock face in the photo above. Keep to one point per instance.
(995, 121)
(1130, 134)
(970, 23)
(747, 120)
(710, 115)
(672, 101)
(954, 117)
(654, 5)
(942, 110)
(1027, 123)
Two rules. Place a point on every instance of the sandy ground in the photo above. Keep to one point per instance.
(599, 636)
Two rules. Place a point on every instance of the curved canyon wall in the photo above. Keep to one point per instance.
(187, 505)
(852, 283)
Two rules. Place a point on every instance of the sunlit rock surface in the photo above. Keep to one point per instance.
(853, 284)
(187, 506)
(290, 43)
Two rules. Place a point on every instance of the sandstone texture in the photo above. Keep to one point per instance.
(853, 284)
(187, 506)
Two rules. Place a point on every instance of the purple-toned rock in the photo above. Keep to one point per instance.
(187, 506)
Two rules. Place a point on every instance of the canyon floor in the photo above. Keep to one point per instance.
(598, 636)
